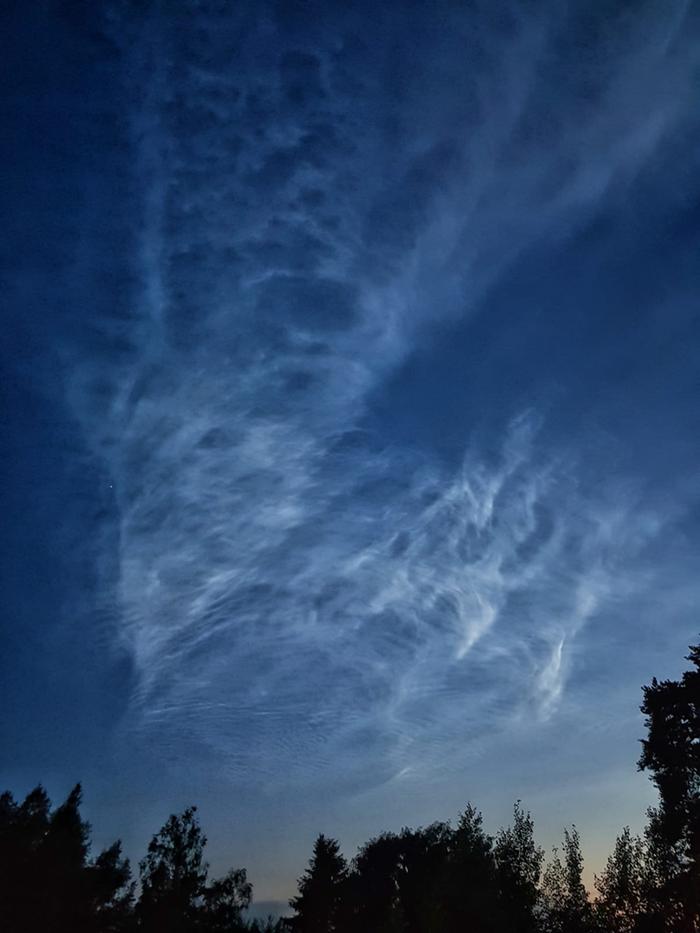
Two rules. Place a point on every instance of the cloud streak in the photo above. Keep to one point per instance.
(292, 586)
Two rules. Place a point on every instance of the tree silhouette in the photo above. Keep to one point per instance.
(173, 875)
(269, 925)
(225, 899)
(373, 886)
(319, 905)
(671, 752)
(175, 895)
(111, 890)
(623, 885)
(434, 879)
(565, 904)
(22, 831)
(47, 882)
(423, 856)
(518, 869)
(63, 857)
(469, 891)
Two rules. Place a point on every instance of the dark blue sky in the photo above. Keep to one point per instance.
(350, 411)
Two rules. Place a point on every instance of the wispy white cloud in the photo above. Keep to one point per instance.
(290, 585)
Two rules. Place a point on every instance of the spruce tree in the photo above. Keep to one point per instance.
(318, 905)
(671, 753)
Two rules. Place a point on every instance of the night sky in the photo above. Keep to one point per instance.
(350, 411)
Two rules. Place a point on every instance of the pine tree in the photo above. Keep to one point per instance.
(110, 890)
(47, 882)
(318, 906)
(671, 752)
(23, 829)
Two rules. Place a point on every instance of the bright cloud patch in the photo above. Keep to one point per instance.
(292, 585)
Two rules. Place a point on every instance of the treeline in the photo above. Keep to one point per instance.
(437, 879)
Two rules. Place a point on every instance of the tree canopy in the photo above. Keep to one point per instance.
(441, 878)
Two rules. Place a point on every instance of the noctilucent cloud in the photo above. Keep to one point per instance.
(351, 433)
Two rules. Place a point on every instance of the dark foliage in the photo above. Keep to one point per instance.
(671, 752)
(318, 906)
(47, 881)
(436, 879)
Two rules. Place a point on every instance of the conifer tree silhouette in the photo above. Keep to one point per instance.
(671, 753)
(47, 882)
(319, 905)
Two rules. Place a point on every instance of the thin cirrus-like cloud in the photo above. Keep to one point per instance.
(308, 218)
